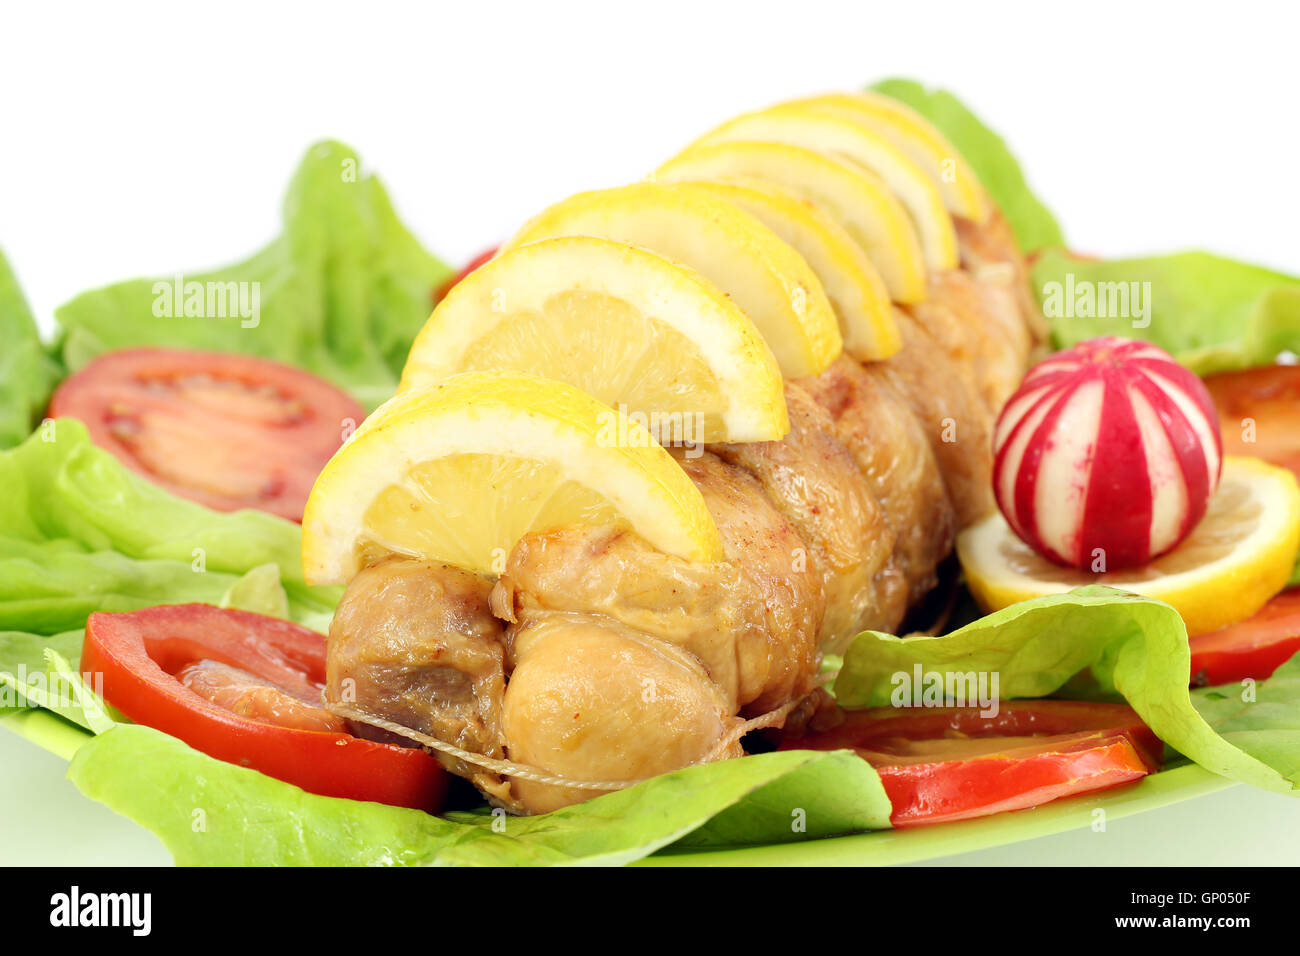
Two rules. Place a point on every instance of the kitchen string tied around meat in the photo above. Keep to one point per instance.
(509, 768)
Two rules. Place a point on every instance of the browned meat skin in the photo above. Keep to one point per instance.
(814, 482)
(996, 341)
(874, 422)
(592, 700)
(617, 576)
(990, 254)
(753, 620)
(416, 643)
(943, 396)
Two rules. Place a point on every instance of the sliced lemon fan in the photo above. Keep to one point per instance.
(746, 260)
(619, 322)
(459, 471)
(916, 136)
(1236, 559)
(853, 285)
(859, 200)
(838, 136)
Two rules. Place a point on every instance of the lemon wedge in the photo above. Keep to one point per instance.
(858, 199)
(459, 471)
(852, 283)
(963, 194)
(746, 260)
(839, 136)
(1232, 563)
(622, 324)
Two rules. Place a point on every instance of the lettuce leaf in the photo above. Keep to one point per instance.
(341, 292)
(79, 533)
(211, 813)
(1134, 646)
(1210, 313)
(1261, 718)
(27, 372)
(1033, 224)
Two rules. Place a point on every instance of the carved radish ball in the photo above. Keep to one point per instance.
(1107, 455)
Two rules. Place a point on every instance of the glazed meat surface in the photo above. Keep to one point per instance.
(752, 620)
(597, 659)
(591, 700)
(811, 478)
(876, 425)
(417, 644)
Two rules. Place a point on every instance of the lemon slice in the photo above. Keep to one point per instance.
(838, 136)
(916, 136)
(859, 200)
(771, 283)
(852, 283)
(1235, 560)
(459, 471)
(619, 322)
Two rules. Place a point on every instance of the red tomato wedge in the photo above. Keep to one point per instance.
(1259, 413)
(440, 293)
(1255, 647)
(950, 763)
(227, 431)
(245, 688)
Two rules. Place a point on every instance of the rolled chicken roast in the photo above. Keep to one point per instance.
(596, 660)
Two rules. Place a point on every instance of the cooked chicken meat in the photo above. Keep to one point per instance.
(417, 644)
(811, 478)
(943, 395)
(875, 424)
(592, 700)
(752, 621)
(597, 659)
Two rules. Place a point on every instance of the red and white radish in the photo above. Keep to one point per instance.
(1107, 455)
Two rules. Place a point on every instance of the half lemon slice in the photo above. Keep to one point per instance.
(839, 136)
(852, 283)
(459, 471)
(746, 260)
(1235, 560)
(619, 322)
(858, 199)
(916, 136)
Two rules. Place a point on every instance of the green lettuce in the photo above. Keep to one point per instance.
(28, 373)
(80, 533)
(1134, 646)
(1210, 313)
(1033, 224)
(1260, 718)
(341, 292)
(211, 813)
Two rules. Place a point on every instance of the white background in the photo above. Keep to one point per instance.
(152, 139)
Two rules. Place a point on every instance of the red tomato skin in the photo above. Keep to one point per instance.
(1091, 747)
(286, 455)
(1259, 412)
(330, 764)
(961, 790)
(1253, 648)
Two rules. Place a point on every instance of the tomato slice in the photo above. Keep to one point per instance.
(245, 688)
(950, 763)
(1255, 647)
(1259, 413)
(227, 431)
(440, 293)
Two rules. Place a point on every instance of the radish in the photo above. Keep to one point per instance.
(1107, 455)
